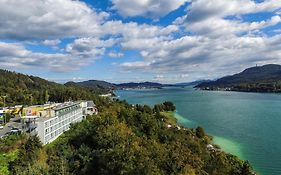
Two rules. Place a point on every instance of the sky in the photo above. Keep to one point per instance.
(165, 41)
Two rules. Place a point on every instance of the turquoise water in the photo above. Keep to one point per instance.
(244, 124)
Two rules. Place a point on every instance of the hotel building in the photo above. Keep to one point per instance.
(53, 122)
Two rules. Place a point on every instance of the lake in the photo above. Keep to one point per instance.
(245, 124)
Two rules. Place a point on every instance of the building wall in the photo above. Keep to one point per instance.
(89, 108)
(51, 129)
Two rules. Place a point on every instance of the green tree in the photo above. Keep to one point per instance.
(46, 96)
(27, 156)
(200, 132)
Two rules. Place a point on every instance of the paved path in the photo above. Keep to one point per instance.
(14, 122)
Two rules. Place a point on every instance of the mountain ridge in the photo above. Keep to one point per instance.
(18, 88)
(266, 78)
(130, 85)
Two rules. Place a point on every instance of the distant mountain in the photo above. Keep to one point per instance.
(193, 83)
(103, 85)
(139, 85)
(265, 78)
(96, 84)
(93, 85)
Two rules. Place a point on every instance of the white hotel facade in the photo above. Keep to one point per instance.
(54, 122)
(51, 120)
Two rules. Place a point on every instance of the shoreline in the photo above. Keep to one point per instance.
(222, 137)
(222, 90)
(229, 146)
(226, 145)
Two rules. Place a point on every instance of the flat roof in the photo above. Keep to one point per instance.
(90, 104)
(65, 105)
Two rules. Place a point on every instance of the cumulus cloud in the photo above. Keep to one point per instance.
(201, 10)
(218, 41)
(221, 17)
(146, 8)
(51, 42)
(217, 27)
(47, 22)
(16, 56)
(201, 57)
(89, 47)
(48, 19)
(51, 20)
(115, 54)
(212, 39)
(134, 30)
(170, 78)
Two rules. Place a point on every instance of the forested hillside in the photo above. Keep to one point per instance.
(139, 85)
(124, 139)
(121, 139)
(93, 85)
(265, 78)
(16, 88)
(102, 85)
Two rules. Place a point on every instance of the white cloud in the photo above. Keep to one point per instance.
(51, 20)
(115, 54)
(47, 22)
(170, 78)
(51, 42)
(221, 41)
(223, 17)
(134, 30)
(81, 52)
(48, 19)
(212, 39)
(16, 56)
(136, 65)
(277, 30)
(200, 57)
(89, 47)
(201, 10)
(146, 8)
(216, 27)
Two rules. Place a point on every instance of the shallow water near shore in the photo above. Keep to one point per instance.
(226, 145)
(244, 124)
(184, 121)
(229, 146)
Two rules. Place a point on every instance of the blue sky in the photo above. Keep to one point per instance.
(166, 41)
